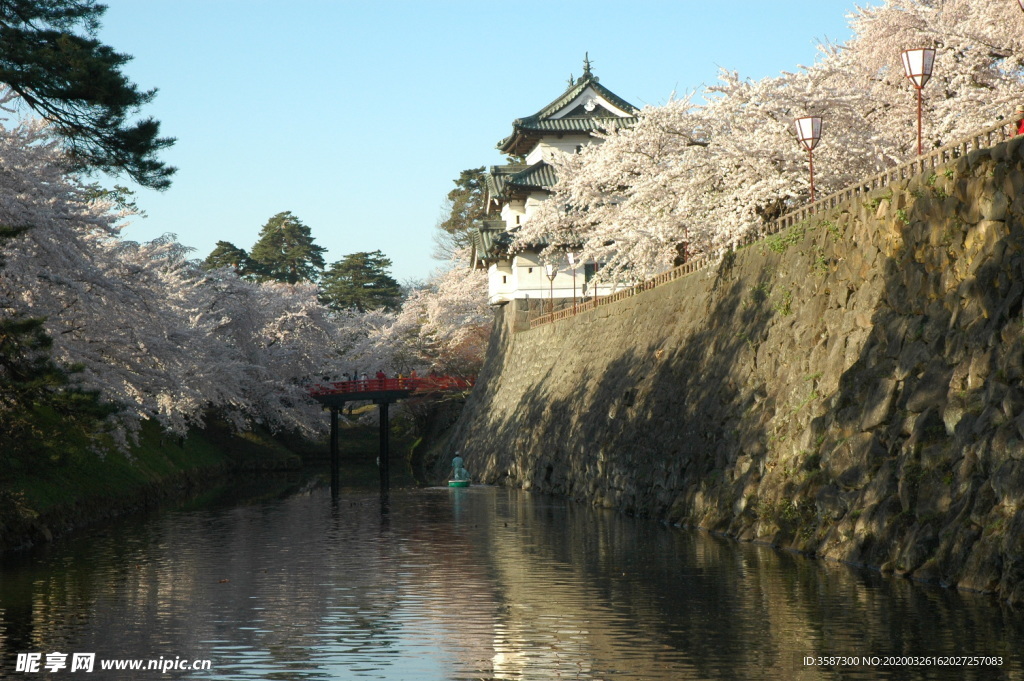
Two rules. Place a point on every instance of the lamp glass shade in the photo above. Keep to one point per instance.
(550, 270)
(808, 131)
(1021, 3)
(571, 257)
(918, 63)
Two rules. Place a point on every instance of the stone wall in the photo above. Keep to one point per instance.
(850, 388)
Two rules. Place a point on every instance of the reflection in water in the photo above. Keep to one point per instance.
(477, 583)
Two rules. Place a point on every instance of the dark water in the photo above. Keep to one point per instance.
(480, 583)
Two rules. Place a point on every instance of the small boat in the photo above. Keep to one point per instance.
(460, 476)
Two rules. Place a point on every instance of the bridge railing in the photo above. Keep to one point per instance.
(988, 137)
(417, 384)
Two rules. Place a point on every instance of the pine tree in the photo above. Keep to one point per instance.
(285, 252)
(40, 409)
(52, 59)
(361, 281)
(226, 254)
(466, 207)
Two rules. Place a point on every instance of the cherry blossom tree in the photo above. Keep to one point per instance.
(978, 65)
(154, 333)
(443, 325)
(266, 343)
(454, 320)
(699, 173)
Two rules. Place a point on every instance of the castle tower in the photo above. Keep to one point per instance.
(515, 190)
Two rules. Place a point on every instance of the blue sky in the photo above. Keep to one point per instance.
(357, 116)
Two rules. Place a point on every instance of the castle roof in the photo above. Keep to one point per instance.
(586, 106)
(490, 242)
(504, 182)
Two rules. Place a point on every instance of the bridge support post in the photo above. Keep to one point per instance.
(385, 447)
(335, 456)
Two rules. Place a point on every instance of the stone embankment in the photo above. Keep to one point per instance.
(850, 387)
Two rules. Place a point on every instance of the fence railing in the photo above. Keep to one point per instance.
(372, 385)
(1000, 132)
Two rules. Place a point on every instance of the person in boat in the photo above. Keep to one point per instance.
(458, 472)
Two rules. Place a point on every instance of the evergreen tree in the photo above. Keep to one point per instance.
(40, 409)
(52, 59)
(466, 207)
(285, 251)
(226, 254)
(361, 281)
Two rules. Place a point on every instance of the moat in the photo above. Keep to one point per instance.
(477, 583)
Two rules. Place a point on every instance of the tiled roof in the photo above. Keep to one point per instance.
(503, 182)
(526, 130)
(577, 124)
(498, 177)
(539, 175)
(574, 91)
(491, 241)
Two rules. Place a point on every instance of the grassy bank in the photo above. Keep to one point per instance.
(54, 495)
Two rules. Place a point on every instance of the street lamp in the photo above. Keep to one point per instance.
(572, 263)
(918, 66)
(552, 273)
(1021, 3)
(808, 132)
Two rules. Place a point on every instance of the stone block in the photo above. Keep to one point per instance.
(1013, 182)
(934, 496)
(980, 368)
(878, 403)
(930, 389)
(976, 157)
(1013, 147)
(984, 567)
(850, 461)
(983, 236)
(918, 547)
(969, 211)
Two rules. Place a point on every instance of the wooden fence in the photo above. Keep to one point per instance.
(1000, 132)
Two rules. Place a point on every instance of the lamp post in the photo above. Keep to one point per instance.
(918, 65)
(552, 273)
(808, 132)
(571, 257)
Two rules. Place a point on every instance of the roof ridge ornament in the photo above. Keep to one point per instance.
(588, 74)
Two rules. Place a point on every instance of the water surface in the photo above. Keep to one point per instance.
(477, 583)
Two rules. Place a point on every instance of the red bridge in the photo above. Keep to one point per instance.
(382, 391)
(376, 388)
